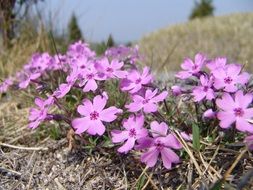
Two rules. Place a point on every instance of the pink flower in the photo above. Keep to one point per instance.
(209, 114)
(204, 90)
(235, 110)
(249, 141)
(148, 103)
(119, 52)
(191, 68)
(38, 63)
(134, 81)
(113, 69)
(134, 131)
(160, 144)
(217, 63)
(39, 114)
(62, 90)
(186, 136)
(78, 49)
(5, 85)
(229, 77)
(176, 90)
(94, 115)
(25, 82)
(124, 53)
(90, 77)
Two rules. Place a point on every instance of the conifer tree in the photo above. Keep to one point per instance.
(202, 9)
(110, 41)
(74, 32)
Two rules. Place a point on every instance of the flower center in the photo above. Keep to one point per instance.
(138, 81)
(132, 133)
(109, 69)
(145, 101)
(82, 67)
(238, 112)
(205, 88)
(41, 115)
(194, 67)
(159, 145)
(90, 76)
(94, 115)
(228, 80)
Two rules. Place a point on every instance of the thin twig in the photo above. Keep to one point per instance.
(234, 164)
(214, 155)
(143, 172)
(12, 172)
(23, 148)
(179, 137)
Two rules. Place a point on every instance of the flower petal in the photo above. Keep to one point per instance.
(160, 97)
(119, 136)
(168, 157)
(226, 102)
(243, 125)
(108, 114)
(226, 119)
(134, 106)
(91, 85)
(150, 107)
(96, 127)
(81, 124)
(86, 109)
(99, 103)
(158, 129)
(127, 146)
(171, 141)
(150, 157)
(116, 64)
(243, 100)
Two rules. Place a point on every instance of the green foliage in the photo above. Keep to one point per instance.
(100, 48)
(74, 32)
(141, 182)
(202, 9)
(196, 136)
(54, 132)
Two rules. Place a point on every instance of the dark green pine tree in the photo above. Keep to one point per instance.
(110, 41)
(74, 32)
(202, 9)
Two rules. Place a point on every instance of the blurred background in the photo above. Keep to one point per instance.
(166, 31)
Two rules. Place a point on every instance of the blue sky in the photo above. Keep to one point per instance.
(129, 20)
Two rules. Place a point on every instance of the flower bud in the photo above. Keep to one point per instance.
(209, 114)
(176, 90)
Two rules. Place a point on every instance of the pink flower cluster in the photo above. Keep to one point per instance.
(80, 70)
(220, 90)
(223, 86)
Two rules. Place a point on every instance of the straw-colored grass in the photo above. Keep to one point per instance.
(30, 40)
(229, 36)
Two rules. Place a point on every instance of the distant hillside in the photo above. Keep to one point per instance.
(230, 36)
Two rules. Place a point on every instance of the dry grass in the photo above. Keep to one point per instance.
(30, 40)
(229, 36)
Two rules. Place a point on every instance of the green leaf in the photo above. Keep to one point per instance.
(55, 133)
(196, 136)
(217, 185)
(141, 182)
